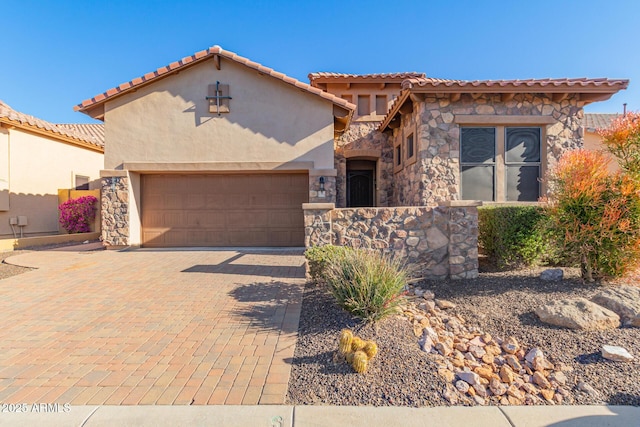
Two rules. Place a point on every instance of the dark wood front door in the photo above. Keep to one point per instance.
(360, 188)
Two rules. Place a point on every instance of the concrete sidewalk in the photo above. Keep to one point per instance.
(335, 416)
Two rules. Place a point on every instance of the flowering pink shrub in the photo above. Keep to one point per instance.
(75, 214)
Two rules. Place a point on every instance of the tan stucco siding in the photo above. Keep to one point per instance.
(169, 121)
(37, 167)
(593, 141)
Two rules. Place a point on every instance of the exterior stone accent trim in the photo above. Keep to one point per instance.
(115, 210)
(438, 242)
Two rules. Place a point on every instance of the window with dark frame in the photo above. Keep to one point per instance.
(410, 147)
(500, 157)
(398, 155)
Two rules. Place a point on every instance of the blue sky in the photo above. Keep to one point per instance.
(57, 53)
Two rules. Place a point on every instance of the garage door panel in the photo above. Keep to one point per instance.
(223, 210)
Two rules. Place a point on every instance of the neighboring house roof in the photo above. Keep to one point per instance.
(594, 121)
(591, 90)
(74, 134)
(89, 106)
(327, 77)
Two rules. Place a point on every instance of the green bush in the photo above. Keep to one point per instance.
(318, 258)
(513, 236)
(367, 283)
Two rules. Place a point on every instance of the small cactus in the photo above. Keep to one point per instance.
(349, 357)
(346, 339)
(371, 349)
(357, 344)
(360, 362)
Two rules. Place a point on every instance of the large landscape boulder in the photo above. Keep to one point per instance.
(578, 313)
(624, 301)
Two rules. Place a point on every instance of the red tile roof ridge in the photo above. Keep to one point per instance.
(581, 81)
(205, 54)
(328, 74)
(12, 115)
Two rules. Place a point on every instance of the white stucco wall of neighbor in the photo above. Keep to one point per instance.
(33, 168)
(169, 121)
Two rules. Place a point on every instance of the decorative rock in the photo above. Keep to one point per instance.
(428, 295)
(477, 341)
(488, 358)
(615, 353)
(514, 391)
(541, 364)
(477, 351)
(540, 380)
(558, 377)
(548, 395)
(462, 386)
(462, 347)
(578, 313)
(510, 345)
(480, 390)
(586, 388)
(479, 400)
(469, 377)
(506, 374)
(443, 349)
(492, 349)
(497, 388)
(428, 305)
(533, 353)
(450, 394)
(444, 304)
(446, 374)
(530, 388)
(428, 339)
(512, 361)
(552, 275)
(485, 373)
(624, 301)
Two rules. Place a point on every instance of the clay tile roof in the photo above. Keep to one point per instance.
(91, 134)
(93, 130)
(197, 57)
(379, 76)
(594, 121)
(538, 83)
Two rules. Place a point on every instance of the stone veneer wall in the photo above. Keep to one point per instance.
(329, 189)
(439, 138)
(115, 211)
(364, 136)
(439, 242)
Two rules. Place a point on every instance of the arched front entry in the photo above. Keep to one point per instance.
(361, 183)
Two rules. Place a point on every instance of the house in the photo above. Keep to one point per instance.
(36, 159)
(217, 150)
(592, 140)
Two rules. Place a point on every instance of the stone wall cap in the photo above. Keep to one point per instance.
(318, 206)
(112, 173)
(461, 203)
(323, 172)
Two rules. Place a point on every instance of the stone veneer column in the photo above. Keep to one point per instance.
(463, 238)
(115, 208)
(317, 224)
(329, 186)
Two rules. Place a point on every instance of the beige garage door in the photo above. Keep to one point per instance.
(223, 210)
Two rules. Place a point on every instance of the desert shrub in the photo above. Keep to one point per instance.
(76, 214)
(622, 139)
(595, 215)
(366, 283)
(513, 236)
(319, 257)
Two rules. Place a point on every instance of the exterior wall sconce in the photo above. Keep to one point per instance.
(321, 192)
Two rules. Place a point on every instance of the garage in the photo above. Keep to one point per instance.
(223, 209)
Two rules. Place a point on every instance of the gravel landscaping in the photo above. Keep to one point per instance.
(8, 270)
(498, 303)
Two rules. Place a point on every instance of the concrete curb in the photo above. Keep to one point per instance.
(304, 416)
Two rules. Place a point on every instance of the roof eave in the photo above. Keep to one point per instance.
(51, 134)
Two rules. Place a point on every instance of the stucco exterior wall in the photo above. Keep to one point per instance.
(593, 141)
(37, 167)
(438, 132)
(169, 121)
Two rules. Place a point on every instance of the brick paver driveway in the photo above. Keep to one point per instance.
(150, 327)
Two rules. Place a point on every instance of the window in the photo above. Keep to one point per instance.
(500, 163)
(409, 147)
(82, 182)
(397, 157)
(364, 108)
(381, 105)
